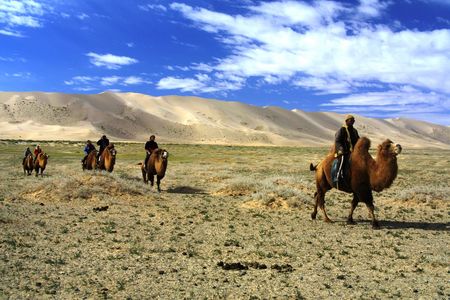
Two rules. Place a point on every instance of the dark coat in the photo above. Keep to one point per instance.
(150, 146)
(103, 143)
(341, 139)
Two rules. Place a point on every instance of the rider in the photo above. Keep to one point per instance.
(150, 145)
(345, 141)
(25, 154)
(103, 143)
(36, 151)
(87, 149)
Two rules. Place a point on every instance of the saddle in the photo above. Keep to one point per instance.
(340, 174)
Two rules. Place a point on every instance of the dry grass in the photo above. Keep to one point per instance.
(231, 222)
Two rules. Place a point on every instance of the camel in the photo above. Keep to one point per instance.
(28, 164)
(108, 158)
(91, 161)
(156, 165)
(366, 175)
(40, 163)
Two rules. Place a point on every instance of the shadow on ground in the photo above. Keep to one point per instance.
(186, 190)
(415, 225)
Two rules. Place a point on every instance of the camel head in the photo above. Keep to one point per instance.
(164, 154)
(112, 150)
(388, 148)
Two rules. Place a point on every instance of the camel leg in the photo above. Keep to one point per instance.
(371, 208)
(158, 181)
(152, 179)
(322, 207)
(355, 201)
(320, 201)
(316, 202)
(144, 176)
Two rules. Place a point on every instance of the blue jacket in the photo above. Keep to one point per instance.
(89, 148)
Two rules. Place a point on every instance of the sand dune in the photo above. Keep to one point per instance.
(176, 119)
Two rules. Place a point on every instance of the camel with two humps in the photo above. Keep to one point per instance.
(40, 163)
(156, 165)
(366, 175)
(91, 161)
(108, 158)
(28, 165)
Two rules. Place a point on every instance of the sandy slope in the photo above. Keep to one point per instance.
(131, 116)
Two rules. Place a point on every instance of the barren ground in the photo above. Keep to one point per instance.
(230, 222)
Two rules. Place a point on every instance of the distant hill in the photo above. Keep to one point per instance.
(176, 119)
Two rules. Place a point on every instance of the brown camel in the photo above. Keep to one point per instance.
(366, 175)
(156, 165)
(91, 161)
(28, 166)
(108, 158)
(40, 163)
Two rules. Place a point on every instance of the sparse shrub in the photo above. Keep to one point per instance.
(239, 186)
(424, 194)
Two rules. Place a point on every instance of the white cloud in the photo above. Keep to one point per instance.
(21, 7)
(132, 80)
(12, 59)
(11, 33)
(372, 8)
(23, 75)
(14, 14)
(111, 80)
(404, 101)
(149, 7)
(110, 61)
(325, 39)
(82, 16)
(80, 80)
(325, 85)
(201, 83)
(300, 13)
(90, 81)
(183, 84)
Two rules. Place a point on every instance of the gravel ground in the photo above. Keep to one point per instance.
(230, 223)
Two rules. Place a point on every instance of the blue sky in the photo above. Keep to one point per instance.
(378, 58)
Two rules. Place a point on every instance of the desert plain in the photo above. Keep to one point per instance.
(231, 222)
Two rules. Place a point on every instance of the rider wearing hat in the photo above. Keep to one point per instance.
(345, 141)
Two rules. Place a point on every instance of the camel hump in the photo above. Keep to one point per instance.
(363, 144)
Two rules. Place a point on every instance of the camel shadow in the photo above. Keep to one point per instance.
(186, 190)
(414, 225)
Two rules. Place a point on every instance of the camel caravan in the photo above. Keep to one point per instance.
(155, 162)
(347, 167)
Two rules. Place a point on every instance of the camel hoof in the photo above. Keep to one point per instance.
(375, 225)
(327, 220)
(351, 222)
(313, 216)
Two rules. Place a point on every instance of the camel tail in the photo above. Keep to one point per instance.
(312, 167)
(139, 164)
